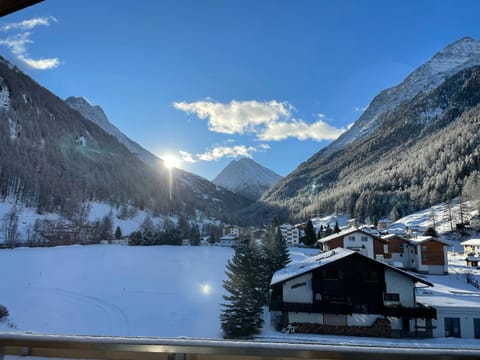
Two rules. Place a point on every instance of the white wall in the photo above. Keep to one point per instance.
(466, 316)
(301, 294)
(358, 243)
(397, 283)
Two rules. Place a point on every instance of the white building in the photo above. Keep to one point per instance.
(227, 240)
(290, 233)
(457, 316)
(232, 230)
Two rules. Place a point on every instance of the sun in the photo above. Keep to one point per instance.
(170, 161)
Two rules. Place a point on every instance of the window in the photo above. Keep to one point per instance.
(297, 285)
(318, 297)
(364, 239)
(392, 297)
(351, 238)
(452, 327)
(476, 328)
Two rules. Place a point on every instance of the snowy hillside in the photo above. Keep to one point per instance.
(97, 116)
(246, 177)
(443, 217)
(457, 56)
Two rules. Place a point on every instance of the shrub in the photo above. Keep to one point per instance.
(3, 311)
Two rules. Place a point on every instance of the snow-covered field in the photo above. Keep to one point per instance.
(164, 291)
(114, 290)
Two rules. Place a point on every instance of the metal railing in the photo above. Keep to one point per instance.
(97, 347)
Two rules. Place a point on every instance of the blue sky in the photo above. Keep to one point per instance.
(205, 81)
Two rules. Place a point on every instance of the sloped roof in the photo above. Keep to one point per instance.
(473, 242)
(309, 264)
(328, 257)
(346, 232)
(421, 239)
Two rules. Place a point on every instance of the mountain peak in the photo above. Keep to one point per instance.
(91, 112)
(246, 177)
(455, 57)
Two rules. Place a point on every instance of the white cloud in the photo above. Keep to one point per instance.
(227, 151)
(18, 43)
(268, 121)
(299, 129)
(29, 23)
(218, 152)
(237, 117)
(187, 157)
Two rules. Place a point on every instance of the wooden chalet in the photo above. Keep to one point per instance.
(356, 239)
(343, 292)
(424, 254)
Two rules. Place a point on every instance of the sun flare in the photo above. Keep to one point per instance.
(171, 161)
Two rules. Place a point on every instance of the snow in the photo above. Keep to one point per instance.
(309, 263)
(245, 172)
(115, 290)
(164, 291)
(14, 128)
(457, 56)
(4, 96)
(421, 220)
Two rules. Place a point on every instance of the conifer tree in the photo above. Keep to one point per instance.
(118, 233)
(336, 229)
(310, 236)
(241, 316)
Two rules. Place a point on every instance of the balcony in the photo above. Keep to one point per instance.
(96, 347)
(319, 308)
(417, 312)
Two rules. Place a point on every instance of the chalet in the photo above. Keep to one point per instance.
(429, 255)
(290, 233)
(424, 254)
(232, 230)
(227, 240)
(471, 246)
(343, 292)
(356, 239)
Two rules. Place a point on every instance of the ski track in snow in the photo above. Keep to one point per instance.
(116, 318)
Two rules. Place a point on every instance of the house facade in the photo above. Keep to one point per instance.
(358, 240)
(456, 317)
(290, 233)
(472, 245)
(232, 230)
(227, 240)
(328, 294)
(424, 254)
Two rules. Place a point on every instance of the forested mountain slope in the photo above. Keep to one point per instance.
(424, 150)
(54, 159)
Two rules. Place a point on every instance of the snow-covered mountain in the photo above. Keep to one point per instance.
(96, 114)
(246, 177)
(461, 54)
(414, 146)
(55, 158)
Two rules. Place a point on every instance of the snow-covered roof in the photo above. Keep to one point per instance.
(422, 239)
(314, 262)
(472, 242)
(390, 236)
(309, 264)
(346, 232)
